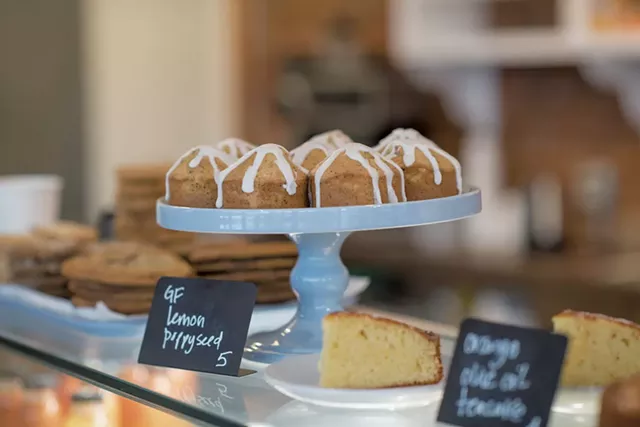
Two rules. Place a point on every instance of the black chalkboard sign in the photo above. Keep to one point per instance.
(502, 376)
(198, 325)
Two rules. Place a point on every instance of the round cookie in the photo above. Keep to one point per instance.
(67, 231)
(264, 178)
(356, 175)
(429, 171)
(192, 181)
(125, 263)
(234, 147)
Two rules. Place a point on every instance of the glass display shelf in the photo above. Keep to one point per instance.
(215, 400)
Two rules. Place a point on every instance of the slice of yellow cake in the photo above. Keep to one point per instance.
(362, 351)
(601, 349)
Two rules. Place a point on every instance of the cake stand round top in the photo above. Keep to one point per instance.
(319, 220)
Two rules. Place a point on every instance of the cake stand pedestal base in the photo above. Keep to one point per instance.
(319, 280)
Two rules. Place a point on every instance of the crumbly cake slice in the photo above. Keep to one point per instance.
(601, 349)
(360, 351)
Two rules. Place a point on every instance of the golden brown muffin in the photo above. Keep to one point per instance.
(318, 148)
(125, 263)
(403, 135)
(429, 171)
(332, 139)
(309, 154)
(264, 178)
(192, 181)
(621, 404)
(601, 349)
(364, 352)
(356, 175)
(235, 147)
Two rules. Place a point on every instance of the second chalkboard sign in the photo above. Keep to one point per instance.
(502, 376)
(198, 325)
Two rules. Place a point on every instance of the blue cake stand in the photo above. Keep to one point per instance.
(319, 278)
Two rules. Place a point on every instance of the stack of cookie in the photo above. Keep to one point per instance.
(122, 275)
(267, 264)
(138, 189)
(35, 260)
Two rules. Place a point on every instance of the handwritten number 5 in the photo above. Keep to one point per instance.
(222, 361)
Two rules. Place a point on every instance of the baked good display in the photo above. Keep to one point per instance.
(235, 147)
(356, 175)
(122, 275)
(429, 171)
(267, 264)
(264, 178)
(620, 405)
(329, 169)
(192, 180)
(35, 262)
(318, 148)
(601, 350)
(360, 351)
(138, 187)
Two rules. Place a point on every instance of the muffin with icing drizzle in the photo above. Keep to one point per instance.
(333, 139)
(405, 136)
(192, 181)
(264, 178)
(318, 148)
(429, 171)
(235, 147)
(356, 175)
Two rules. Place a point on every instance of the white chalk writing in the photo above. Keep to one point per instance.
(186, 341)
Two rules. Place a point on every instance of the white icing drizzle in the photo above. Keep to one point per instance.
(355, 152)
(249, 178)
(332, 140)
(391, 192)
(204, 151)
(237, 147)
(299, 154)
(403, 135)
(409, 158)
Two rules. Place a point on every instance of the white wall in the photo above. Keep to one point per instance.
(158, 79)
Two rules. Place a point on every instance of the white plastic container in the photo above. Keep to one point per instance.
(27, 201)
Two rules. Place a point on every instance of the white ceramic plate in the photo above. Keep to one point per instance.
(577, 400)
(298, 378)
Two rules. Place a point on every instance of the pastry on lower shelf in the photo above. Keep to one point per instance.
(192, 181)
(125, 263)
(601, 350)
(429, 171)
(620, 405)
(67, 231)
(122, 275)
(360, 351)
(235, 147)
(318, 148)
(242, 250)
(35, 262)
(356, 175)
(264, 178)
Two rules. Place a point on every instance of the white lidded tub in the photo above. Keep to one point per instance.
(29, 200)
